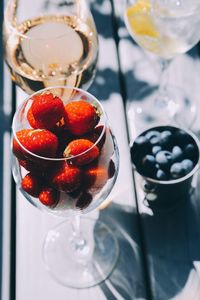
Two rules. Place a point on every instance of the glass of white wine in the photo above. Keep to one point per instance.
(50, 43)
(165, 28)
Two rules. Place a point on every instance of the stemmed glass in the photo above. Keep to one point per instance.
(165, 28)
(50, 43)
(80, 252)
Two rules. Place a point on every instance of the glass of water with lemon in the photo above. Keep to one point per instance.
(165, 28)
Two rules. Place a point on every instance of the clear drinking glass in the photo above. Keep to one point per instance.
(76, 254)
(48, 43)
(165, 28)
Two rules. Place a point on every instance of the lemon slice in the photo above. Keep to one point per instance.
(139, 19)
(139, 7)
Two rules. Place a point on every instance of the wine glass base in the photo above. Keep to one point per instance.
(85, 268)
(149, 110)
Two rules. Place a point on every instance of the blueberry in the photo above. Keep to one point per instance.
(152, 133)
(177, 170)
(189, 151)
(139, 148)
(161, 175)
(166, 138)
(141, 141)
(166, 134)
(151, 197)
(187, 165)
(153, 136)
(149, 165)
(156, 149)
(149, 187)
(177, 153)
(84, 201)
(182, 137)
(164, 158)
(149, 160)
(155, 140)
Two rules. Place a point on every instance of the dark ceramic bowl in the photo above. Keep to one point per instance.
(171, 187)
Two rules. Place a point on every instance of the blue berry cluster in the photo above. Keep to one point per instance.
(164, 153)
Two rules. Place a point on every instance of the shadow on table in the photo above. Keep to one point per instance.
(127, 279)
(105, 84)
(172, 240)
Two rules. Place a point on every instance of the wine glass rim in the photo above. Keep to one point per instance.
(57, 36)
(89, 95)
(174, 16)
(193, 12)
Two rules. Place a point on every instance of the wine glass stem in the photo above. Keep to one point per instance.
(79, 244)
(78, 239)
(162, 98)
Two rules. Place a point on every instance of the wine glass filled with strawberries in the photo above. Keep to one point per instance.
(65, 161)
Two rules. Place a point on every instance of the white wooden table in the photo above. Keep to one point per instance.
(159, 252)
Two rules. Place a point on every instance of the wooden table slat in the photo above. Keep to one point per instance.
(172, 236)
(127, 280)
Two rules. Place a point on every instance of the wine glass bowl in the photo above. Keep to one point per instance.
(50, 45)
(166, 28)
(94, 170)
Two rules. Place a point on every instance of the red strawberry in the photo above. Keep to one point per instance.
(60, 127)
(111, 169)
(84, 201)
(67, 178)
(77, 147)
(49, 196)
(38, 141)
(31, 184)
(34, 124)
(95, 176)
(81, 117)
(47, 109)
(95, 135)
(37, 165)
(64, 138)
(107, 149)
(23, 163)
(18, 151)
(28, 165)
